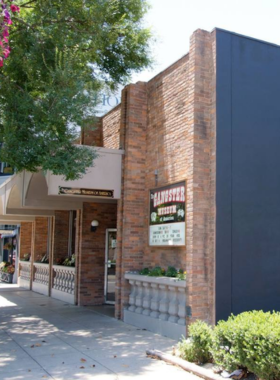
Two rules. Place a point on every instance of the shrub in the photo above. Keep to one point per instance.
(197, 347)
(171, 272)
(250, 340)
(156, 272)
(144, 271)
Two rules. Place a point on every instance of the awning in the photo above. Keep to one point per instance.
(27, 195)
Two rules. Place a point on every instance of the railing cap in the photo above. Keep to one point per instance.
(170, 281)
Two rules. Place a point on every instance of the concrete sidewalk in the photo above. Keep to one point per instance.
(42, 338)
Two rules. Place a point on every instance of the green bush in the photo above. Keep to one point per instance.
(197, 347)
(156, 272)
(144, 271)
(171, 272)
(250, 340)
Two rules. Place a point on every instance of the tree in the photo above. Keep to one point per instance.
(62, 53)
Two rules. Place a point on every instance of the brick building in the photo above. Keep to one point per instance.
(209, 126)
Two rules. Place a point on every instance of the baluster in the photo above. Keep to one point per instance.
(132, 296)
(182, 306)
(173, 305)
(155, 301)
(67, 282)
(147, 298)
(60, 276)
(163, 302)
(55, 279)
(139, 297)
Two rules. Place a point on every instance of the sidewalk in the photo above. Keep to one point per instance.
(42, 338)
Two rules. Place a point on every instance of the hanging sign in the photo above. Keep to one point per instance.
(87, 192)
(167, 215)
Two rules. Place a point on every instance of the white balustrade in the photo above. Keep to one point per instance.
(157, 304)
(64, 279)
(139, 297)
(41, 273)
(182, 306)
(25, 270)
(155, 300)
(132, 295)
(173, 305)
(147, 298)
(163, 302)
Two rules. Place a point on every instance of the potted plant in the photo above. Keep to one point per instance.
(7, 271)
(26, 257)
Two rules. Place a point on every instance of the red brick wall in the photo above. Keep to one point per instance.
(41, 237)
(166, 147)
(92, 134)
(201, 171)
(92, 251)
(25, 238)
(111, 128)
(132, 212)
(168, 125)
(61, 233)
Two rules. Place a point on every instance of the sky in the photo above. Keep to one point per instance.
(174, 21)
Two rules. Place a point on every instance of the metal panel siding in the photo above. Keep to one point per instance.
(223, 180)
(254, 183)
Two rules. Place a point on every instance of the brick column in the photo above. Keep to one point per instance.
(40, 237)
(131, 208)
(201, 182)
(25, 239)
(61, 235)
(92, 251)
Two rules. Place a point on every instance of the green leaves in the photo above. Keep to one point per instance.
(250, 340)
(63, 53)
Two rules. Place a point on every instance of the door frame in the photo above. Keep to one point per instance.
(106, 266)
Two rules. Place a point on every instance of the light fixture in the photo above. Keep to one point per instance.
(94, 225)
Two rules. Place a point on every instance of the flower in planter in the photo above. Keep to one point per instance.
(8, 246)
(59, 261)
(11, 269)
(26, 257)
(70, 261)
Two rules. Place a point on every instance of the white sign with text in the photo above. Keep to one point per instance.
(168, 234)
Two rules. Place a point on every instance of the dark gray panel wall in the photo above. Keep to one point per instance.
(248, 175)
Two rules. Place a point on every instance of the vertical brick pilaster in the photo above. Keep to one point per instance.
(201, 167)
(78, 252)
(131, 208)
(92, 254)
(40, 237)
(61, 235)
(25, 238)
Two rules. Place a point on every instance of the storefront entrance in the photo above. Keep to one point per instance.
(110, 265)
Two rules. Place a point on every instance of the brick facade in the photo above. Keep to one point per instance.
(92, 135)
(40, 238)
(91, 255)
(111, 128)
(168, 126)
(25, 238)
(61, 235)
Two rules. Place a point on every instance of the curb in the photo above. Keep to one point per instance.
(187, 366)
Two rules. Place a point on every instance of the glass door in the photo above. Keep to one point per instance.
(110, 265)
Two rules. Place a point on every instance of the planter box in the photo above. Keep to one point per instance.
(157, 304)
(6, 277)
